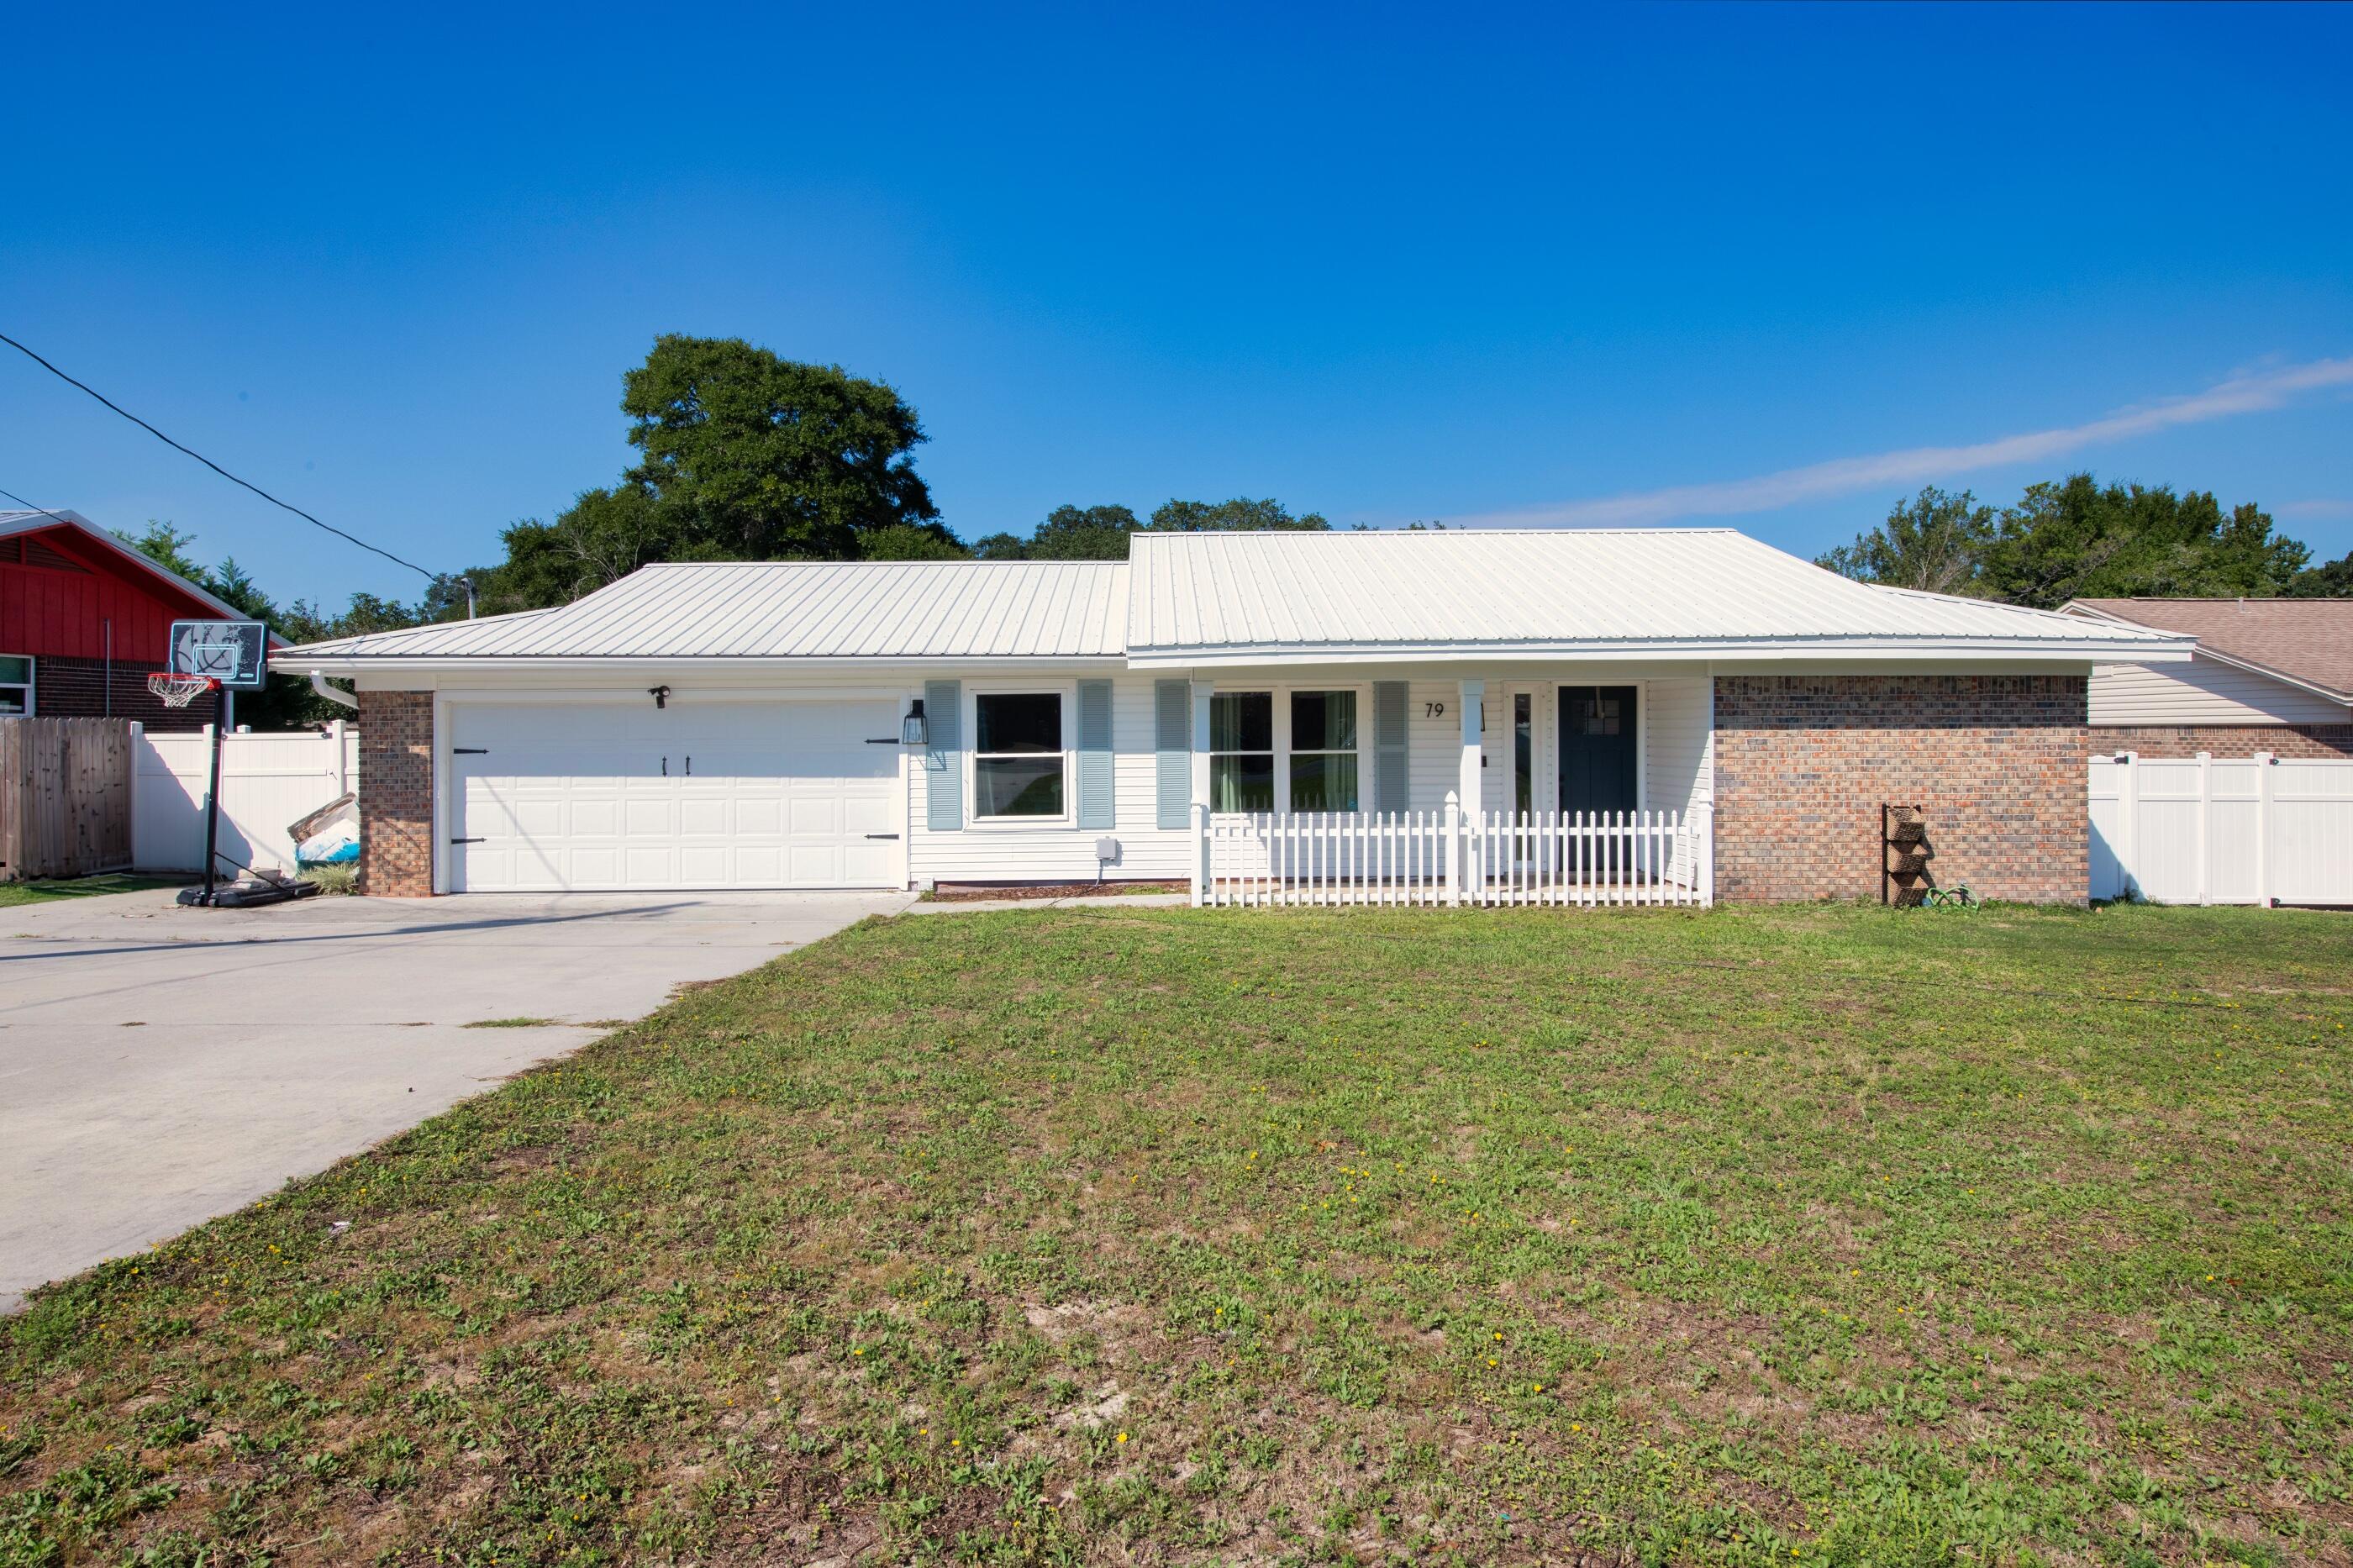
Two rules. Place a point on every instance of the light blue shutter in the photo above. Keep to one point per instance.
(1389, 773)
(944, 791)
(1172, 717)
(1095, 808)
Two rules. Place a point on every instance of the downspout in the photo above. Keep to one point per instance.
(334, 694)
(107, 683)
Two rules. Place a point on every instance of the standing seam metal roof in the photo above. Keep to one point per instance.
(1284, 594)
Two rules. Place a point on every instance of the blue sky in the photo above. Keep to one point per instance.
(1382, 264)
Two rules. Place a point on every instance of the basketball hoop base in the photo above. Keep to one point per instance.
(246, 895)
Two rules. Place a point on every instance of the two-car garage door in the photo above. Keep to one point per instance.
(563, 796)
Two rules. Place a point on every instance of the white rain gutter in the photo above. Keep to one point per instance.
(332, 693)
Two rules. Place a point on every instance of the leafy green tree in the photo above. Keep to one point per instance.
(1934, 542)
(1236, 515)
(2334, 581)
(2077, 538)
(748, 455)
(1069, 533)
(911, 541)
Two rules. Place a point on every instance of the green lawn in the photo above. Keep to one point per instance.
(1122, 1234)
(81, 887)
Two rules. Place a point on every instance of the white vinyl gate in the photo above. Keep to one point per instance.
(2222, 830)
(267, 781)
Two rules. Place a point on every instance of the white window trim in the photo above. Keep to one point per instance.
(31, 683)
(1067, 691)
(1282, 692)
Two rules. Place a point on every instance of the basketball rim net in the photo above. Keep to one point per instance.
(179, 691)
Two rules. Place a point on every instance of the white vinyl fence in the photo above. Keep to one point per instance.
(267, 781)
(1448, 856)
(2222, 830)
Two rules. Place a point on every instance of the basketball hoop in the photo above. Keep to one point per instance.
(179, 691)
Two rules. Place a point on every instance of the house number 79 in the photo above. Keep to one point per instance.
(1433, 709)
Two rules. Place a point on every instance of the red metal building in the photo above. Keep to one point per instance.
(84, 620)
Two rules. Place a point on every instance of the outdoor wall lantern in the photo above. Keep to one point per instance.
(912, 729)
(661, 694)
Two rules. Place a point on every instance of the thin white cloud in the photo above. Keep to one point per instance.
(2249, 394)
(2319, 509)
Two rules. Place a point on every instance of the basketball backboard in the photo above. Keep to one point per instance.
(234, 653)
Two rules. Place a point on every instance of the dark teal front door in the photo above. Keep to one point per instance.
(1598, 749)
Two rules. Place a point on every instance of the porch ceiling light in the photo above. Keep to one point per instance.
(913, 730)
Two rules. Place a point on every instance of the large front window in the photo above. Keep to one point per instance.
(1017, 766)
(16, 686)
(1241, 750)
(1307, 763)
(1323, 750)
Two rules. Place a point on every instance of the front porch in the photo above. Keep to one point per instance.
(1579, 785)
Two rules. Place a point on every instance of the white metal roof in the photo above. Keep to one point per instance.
(1236, 598)
(1249, 597)
(793, 609)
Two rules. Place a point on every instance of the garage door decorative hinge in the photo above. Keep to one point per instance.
(468, 841)
(469, 750)
(882, 739)
(881, 835)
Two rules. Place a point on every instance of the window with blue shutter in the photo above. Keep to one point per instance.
(944, 790)
(1172, 724)
(1095, 777)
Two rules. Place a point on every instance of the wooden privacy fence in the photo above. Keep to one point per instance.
(1452, 857)
(2222, 830)
(65, 797)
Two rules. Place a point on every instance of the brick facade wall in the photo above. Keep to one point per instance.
(1803, 762)
(2320, 742)
(78, 689)
(395, 765)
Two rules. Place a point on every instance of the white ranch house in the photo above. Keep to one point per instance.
(1652, 715)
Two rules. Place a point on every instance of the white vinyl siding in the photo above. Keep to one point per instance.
(2203, 691)
(1011, 852)
(1679, 768)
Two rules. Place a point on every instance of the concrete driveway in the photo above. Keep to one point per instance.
(159, 1066)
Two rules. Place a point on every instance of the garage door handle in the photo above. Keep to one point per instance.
(881, 835)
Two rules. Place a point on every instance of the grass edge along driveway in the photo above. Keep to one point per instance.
(1109, 1236)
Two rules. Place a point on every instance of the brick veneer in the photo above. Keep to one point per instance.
(2320, 742)
(395, 793)
(1802, 763)
(78, 689)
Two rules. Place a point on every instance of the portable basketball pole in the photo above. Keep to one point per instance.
(212, 793)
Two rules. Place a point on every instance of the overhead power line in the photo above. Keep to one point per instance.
(28, 506)
(208, 463)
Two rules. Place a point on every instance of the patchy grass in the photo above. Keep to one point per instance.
(44, 891)
(510, 1024)
(1156, 1235)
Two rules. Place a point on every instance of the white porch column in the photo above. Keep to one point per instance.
(1200, 815)
(1472, 862)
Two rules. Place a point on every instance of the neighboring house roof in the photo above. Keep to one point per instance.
(799, 610)
(1196, 597)
(2305, 642)
(15, 522)
(1209, 598)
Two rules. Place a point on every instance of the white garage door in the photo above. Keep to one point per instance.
(576, 796)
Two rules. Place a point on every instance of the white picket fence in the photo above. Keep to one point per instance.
(1449, 857)
(268, 781)
(2222, 830)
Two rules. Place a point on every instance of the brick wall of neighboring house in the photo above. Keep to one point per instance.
(1803, 763)
(2320, 742)
(78, 689)
(395, 765)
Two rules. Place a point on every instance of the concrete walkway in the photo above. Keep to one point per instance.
(160, 1065)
